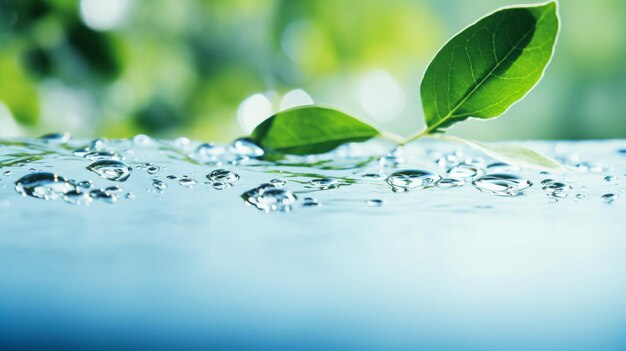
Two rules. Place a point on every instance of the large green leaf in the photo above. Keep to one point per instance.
(310, 130)
(490, 65)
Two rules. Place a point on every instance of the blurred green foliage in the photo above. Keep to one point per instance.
(165, 67)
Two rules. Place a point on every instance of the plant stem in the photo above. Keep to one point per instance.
(392, 137)
(415, 136)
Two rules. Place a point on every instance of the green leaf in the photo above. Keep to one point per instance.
(310, 130)
(489, 66)
(514, 154)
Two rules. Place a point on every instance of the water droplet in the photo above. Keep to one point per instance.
(555, 188)
(278, 183)
(103, 195)
(42, 185)
(182, 143)
(269, 198)
(609, 198)
(114, 189)
(223, 176)
(621, 151)
(7, 173)
(57, 138)
(502, 184)
(465, 171)
(77, 197)
(142, 139)
(187, 182)
(501, 167)
(579, 197)
(130, 196)
(375, 202)
(245, 147)
(310, 202)
(448, 183)
(411, 179)
(593, 167)
(171, 177)
(371, 175)
(159, 184)
(111, 170)
(85, 184)
(220, 185)
(153, 169)
(209, 151)
(99, 144)
(609, 179)
(102, 155)
(325, 183)
(81, 152)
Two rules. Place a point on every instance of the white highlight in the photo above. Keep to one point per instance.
(380, 95)
(104, 14)
(295, 98)
(252, 111)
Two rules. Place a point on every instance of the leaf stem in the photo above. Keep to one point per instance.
(392, 137)
(424, 132)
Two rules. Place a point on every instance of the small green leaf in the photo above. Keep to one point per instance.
(310, 130)
(514, 154)
(489, 66)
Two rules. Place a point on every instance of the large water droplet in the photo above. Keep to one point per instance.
(502, 184)
(411, 179)
(223, 176)
(42, 185)
(245, 147)
(111, 170)
(102, 155)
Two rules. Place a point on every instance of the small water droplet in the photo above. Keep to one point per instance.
(310, 202)
(99, 144)
(142, 139)
(77, 197)
(85, 184)
(245, 147)
(223, 176)
(622, 151)
(159, 184)
(103, 195)
(209, 151)
(375, 202)
(111, 170)
(102, 155)
(171, 177)
(220, 185)
(278, 182)
(130, 196)
(610, 179)
(593, 167)
(325, 183)
(555, 188)
(449, 183)
(609, 198)
(187, 182)
(411, 179)
(182, 143)
(114, 189)
(7, 173)
(153, 169)
(371, 175)
(81, 152)
(502, 184)
(579, 197)
(43, 185)
(465, 172)
(501, 167)
(57, 138)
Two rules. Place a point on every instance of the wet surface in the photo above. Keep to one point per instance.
(435, 245)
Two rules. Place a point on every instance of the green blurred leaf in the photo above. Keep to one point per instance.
(17, 90)
(310, 130)
(489, 66)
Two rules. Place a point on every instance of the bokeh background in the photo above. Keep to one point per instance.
(213, 69)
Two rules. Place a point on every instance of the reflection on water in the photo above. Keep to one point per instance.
(430, 245)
